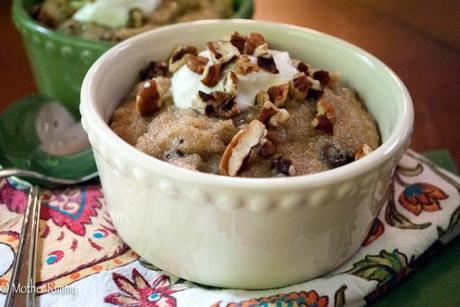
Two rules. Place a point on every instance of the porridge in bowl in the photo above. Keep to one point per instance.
(116, 20)
(241, 108)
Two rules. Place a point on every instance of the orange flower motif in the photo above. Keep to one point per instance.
(375, 232)
(420, 197)
(307, 299)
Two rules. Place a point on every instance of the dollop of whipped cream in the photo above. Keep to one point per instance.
(185, 83)
(113, 13)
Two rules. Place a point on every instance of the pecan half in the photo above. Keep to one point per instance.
(267, 63)
(238, 41)
(222, 51)
(270, 114)
(240, 147)
(211, 75)
(299, 86)
(243, 66)
(283, 165)
(197, 63)
(252, 42)
(179, 56)
(148, 98)
(154, 69)
(278, 94)
(363, 151)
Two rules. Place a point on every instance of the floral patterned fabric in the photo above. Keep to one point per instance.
(80, 248)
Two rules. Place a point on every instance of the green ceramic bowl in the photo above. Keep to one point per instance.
(60, 62)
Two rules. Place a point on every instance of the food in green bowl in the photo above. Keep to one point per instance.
(116, 20)
(60, 60)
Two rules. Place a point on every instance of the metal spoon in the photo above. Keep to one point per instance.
(39, 140)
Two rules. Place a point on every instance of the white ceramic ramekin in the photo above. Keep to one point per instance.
(239, 232)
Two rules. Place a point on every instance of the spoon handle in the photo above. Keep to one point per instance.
(22, 285)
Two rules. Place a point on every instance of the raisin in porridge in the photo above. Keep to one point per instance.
(240, 108)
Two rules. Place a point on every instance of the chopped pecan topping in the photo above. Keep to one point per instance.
(238, 41)
(222, 51)
(324, 107)
(261, 98)
(325, 118)
(334, 155)
(283, 165)
(261, 50)
(299, 86)
(322, 123)
(197, 63)
(154, 69)
(149, 96)
(302, 67)
(278, 94)
(243, 66)
(211, 75)
(240, 147)
(322, 76)
(267, 148)
(252, 42)
(179, 56)
(219, 104)
(267, 63)
(270, 114)
(363, 151)
(231, 83)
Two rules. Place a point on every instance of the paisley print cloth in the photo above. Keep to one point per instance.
(80, 249)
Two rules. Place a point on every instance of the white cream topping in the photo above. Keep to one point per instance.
(185, 83)
(113, 13)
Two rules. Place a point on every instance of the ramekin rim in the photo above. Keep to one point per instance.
(398, 138)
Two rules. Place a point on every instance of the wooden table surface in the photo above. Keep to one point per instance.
(420, 42)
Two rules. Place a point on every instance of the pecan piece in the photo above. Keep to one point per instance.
(154, 69)
(243, 66)
(179, 56)
(261, 98)
(252, 42)
(238, 41)
(363, 151)
(267, 63)
(278, 94)
(197, 63)
(211, 75)
(299, 86)
(322, 76)
(267, 148)
(283, 165)
(231, 83)
(334, 155)
(240, 147)
(302, 67)
(219, 104)
(148, 98)
(222, 51)
(322, 123)
(270, 114)
(325, 118)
